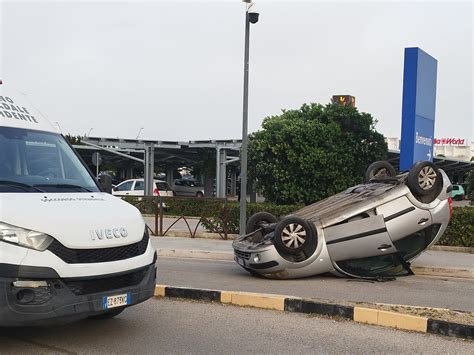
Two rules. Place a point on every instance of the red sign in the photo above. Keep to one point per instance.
(452, 141)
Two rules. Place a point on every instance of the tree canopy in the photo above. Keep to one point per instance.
(305, 155)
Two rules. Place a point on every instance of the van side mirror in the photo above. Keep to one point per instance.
(106, 182)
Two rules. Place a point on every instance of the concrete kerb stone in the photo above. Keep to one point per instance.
(300, 305)
(443, 272)
(195, 254)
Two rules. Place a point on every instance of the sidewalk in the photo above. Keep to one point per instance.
(434, 263)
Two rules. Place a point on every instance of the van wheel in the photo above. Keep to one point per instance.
(424, 179)
(292, 235)
(258, 221)
(379, 169)
(108, 315)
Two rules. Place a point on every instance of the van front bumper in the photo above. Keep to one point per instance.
(58, 301)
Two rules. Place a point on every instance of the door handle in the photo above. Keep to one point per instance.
(423, 221)
(384, 247)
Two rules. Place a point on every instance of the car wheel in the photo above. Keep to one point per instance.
(199, 194)
(292, 235)
(379, 169)
(258, 220)
(108, 315)
(424, 178)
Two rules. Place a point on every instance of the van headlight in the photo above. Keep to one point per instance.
(24, 237)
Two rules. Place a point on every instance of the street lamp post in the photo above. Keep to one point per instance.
(251, 16)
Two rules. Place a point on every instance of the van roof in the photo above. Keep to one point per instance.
(16, 111)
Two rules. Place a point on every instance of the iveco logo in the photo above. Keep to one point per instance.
(108, 233)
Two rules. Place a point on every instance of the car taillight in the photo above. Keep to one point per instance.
(156, 192)
(450, 201)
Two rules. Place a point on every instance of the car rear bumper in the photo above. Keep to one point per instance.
(66, 300)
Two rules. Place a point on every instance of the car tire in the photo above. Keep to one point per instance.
(424, 179)
(380, 169)
(199, 194)
(108, 315)
(292, 235)
(257, 220)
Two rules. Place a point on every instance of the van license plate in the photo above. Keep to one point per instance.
(117, 301)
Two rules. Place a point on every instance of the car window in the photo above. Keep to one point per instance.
(455, 187)
(374, 266)
(417, 242)
(124, 186)
(162, 186)
(178, 183)
(139, 185)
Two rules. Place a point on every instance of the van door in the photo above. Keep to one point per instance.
(363, 248)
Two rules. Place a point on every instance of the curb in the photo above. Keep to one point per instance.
(467, 250)
(227, 256)
(194, 254)
(301, 305)
(198, 235)
(439, 271)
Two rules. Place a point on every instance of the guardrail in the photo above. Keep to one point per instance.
(213, 213)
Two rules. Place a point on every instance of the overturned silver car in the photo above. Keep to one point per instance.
(371, 230)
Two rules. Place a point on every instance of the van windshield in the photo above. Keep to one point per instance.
(33, 161)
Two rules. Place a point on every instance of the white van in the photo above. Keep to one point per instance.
(67, 250)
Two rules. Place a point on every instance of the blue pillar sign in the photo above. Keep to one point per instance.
(419, 105)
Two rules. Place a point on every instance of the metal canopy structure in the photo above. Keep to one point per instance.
(130, 154)
(455, 168)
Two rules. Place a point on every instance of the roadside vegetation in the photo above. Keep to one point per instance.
(308, 154)
(221, 215)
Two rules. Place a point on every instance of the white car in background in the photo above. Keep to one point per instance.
(136, 187)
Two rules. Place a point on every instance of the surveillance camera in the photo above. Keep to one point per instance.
(253, 14)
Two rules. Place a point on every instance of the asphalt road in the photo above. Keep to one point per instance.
(171, 326)
(455, 294)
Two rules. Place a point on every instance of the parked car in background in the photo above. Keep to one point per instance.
(458, 193)
(136, 187)
(185, 187)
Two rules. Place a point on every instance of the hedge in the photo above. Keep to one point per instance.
(460, 231)
(223, 216)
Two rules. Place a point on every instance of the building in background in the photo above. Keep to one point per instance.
(454, 148)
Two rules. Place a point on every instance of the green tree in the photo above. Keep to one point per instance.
(73, 139)
(304, 155)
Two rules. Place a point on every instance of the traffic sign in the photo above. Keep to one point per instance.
(96, 159)
(419, 104)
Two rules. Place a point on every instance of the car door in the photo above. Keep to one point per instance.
(363, 248)
(138, 188)
(402, 218)
(123, 189)
(178, 187)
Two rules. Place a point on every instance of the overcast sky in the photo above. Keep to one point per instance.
(175, 68)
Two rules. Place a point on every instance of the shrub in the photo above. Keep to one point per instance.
(460, 231)
(219, 215)
(233, 215)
